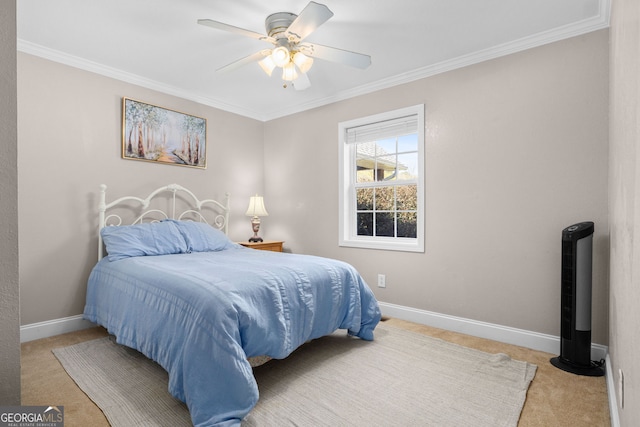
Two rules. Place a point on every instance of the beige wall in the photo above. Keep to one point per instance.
(9, 284)
(516, 150)
(624, 185)
(69, 127)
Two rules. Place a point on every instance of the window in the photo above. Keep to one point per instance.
(381, 181)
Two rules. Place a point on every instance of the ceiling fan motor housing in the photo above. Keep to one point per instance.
(277, 23)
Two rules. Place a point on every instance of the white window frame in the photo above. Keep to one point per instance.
(347, 191)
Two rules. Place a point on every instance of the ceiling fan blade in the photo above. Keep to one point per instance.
(230, 28)
(240, 62)
(353, 59)
(302, 82)
(312, 16)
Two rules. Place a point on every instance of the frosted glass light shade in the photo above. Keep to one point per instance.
(289, 72)
(280, 56)
(303, 61)
(267, 65)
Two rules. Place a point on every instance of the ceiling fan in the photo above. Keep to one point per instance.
(287, 31)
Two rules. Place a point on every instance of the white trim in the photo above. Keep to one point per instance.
(598, 22)
(49, 328)
(124, 76)
(611, 392)
(534, 340)
(505, 334)
(521, 337)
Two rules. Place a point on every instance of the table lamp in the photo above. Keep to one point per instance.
(255, 211)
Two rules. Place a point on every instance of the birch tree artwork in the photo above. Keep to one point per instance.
(160, 135)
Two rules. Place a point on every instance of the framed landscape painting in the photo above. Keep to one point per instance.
(156, 134)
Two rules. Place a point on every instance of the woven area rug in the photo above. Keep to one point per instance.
(400, 379)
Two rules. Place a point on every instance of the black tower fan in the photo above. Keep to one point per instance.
(575, 304)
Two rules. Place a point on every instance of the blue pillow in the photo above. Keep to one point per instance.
(201, 237)
(154, 238)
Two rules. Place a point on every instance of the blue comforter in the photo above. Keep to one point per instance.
(200, 315)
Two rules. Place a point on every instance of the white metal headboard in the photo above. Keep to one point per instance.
(217, 214)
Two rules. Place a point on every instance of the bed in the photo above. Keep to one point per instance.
(170, 284)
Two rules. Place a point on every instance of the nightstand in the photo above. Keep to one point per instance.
(267, 245)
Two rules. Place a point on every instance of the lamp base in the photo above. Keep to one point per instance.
(255, 225)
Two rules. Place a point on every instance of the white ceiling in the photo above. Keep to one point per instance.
(157, 43)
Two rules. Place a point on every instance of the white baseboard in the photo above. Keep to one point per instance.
(521, 337)
(611, 392)
(533, 340)
(49, 328)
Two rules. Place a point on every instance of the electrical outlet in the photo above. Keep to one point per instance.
(382, 281)
(621, 388)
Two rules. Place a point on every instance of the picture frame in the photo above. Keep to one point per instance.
(160, 135)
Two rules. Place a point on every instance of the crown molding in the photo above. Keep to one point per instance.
(114, 73)
(598, 22)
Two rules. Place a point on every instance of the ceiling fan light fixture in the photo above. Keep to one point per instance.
(289, 72)
(303, 61)
(287, 32)
(267, 65)
(281, 56)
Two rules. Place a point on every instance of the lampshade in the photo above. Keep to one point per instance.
(303, 62)
(256, 207)
(267, 65)
(280, 56)
(294, 64)
(289, 72)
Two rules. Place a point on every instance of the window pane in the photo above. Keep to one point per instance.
(408, 143)
(407, 224)
(384, 224)
(365, 154)
(364, 175)
(408, 166)
(365, 161)
(384, 199)
(386, 168)
(365, 224)
(364, 198)
(385, 146)
(407, 197)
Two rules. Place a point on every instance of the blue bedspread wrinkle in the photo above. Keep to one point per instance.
(200, 315)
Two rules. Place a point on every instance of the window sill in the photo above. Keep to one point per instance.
(390, 245)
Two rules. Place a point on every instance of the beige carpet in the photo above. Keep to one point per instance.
(401, 378)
